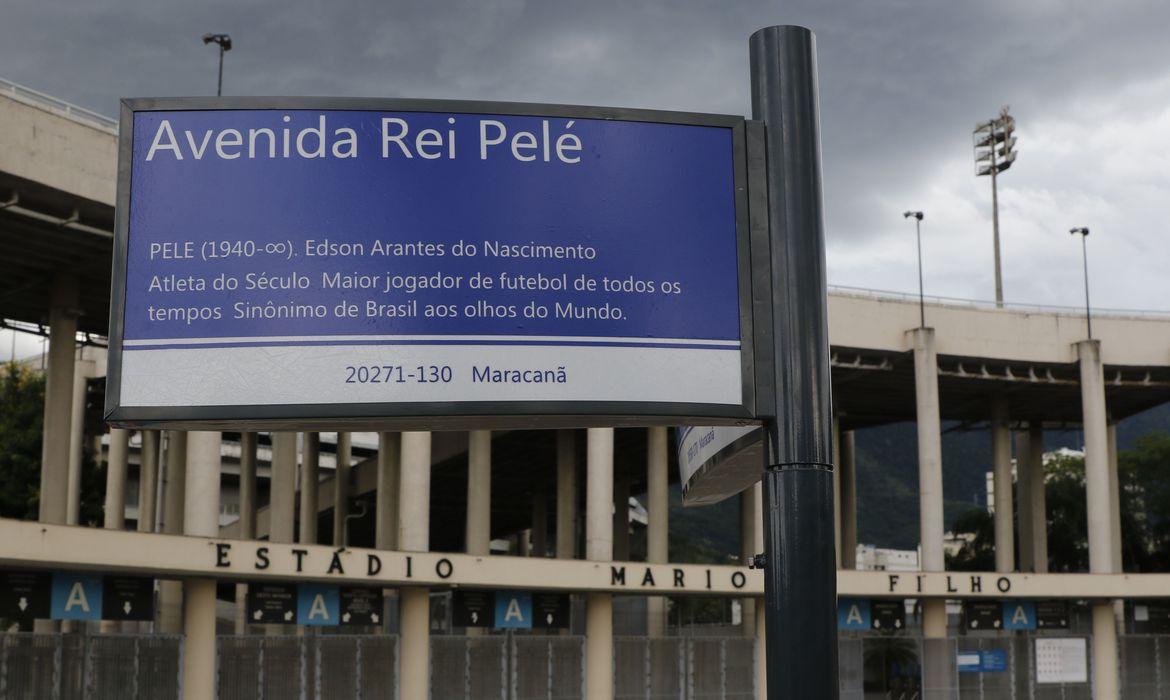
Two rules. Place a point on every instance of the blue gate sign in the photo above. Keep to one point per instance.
(279, 262)
(982, 661)
(1019, 615)
(853, 614)
(318, 604)
(513, 610)
(76, 597)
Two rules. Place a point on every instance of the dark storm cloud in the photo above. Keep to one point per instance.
(902, 82)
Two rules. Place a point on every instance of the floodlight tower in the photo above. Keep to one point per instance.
(995, 151)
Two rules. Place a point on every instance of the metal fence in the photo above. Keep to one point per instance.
(893, 667)
(100, 667)
(148, 667)
(312, 666)
(1145, 667)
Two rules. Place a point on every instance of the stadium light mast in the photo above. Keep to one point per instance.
(224, 42)
(918, 216)
(1084, 231)
(995, 151)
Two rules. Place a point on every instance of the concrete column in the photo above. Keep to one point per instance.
(1024, 501)
(599, 546)
(478, 532)
(539, 520)
(310, 477)
(1114, 498)
(115, 508)
(937, 659)
(566, 495)
(930, 483)
(199, 645)
(621, 516)
(1032, 519)
(1099, 506)
(341, 487)
(170, 593)
(836, 440)
(386, 510)
(247, 518)
(414, 508)
(174, 482)
(82, 371)
(1105, 676)
(247, 485)
(748, 546)
(282, 500)
(1038, 511)
(1097, 480)
(63, 311)
(283, 488)
(658, 526)
(848, 479)
(148, 481)
(200, 518)
(386, 523)
(1001, 454)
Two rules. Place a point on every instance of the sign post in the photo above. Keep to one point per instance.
(800, 589)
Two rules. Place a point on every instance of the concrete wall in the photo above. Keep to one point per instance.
(876, 323)
(47, 145)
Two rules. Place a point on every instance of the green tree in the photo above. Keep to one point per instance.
(1144, 478)
(977, 554)
(22, 401)
(1144, 497)
(22, 396)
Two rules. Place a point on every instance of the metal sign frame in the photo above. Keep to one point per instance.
(447, 414)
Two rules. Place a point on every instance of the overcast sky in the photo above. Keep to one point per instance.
(903, 83)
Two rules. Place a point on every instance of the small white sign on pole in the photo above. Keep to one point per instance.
(716, 462)
(1061, 660)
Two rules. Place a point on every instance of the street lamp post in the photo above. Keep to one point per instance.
(917, 216)
(1084, 231)
(225, 44)
(994, 153)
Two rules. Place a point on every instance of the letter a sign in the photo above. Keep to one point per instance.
(514, 610)
(318, 605)
(76, 597)
(853, 614)
(1019, 615)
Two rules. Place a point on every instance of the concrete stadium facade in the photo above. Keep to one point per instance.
(1019, 369)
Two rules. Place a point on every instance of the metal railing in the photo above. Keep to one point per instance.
(58, 105)
(982, 304)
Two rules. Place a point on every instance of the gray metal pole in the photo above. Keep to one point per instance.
(219, 85)
(921, 294)
(1085, 262)
(800, 587)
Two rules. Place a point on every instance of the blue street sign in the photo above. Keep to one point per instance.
(1019, 615)
(494, 257)
(853, 614)
(76, 597)
(318, 605)
(513, 610)
(982, 661)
